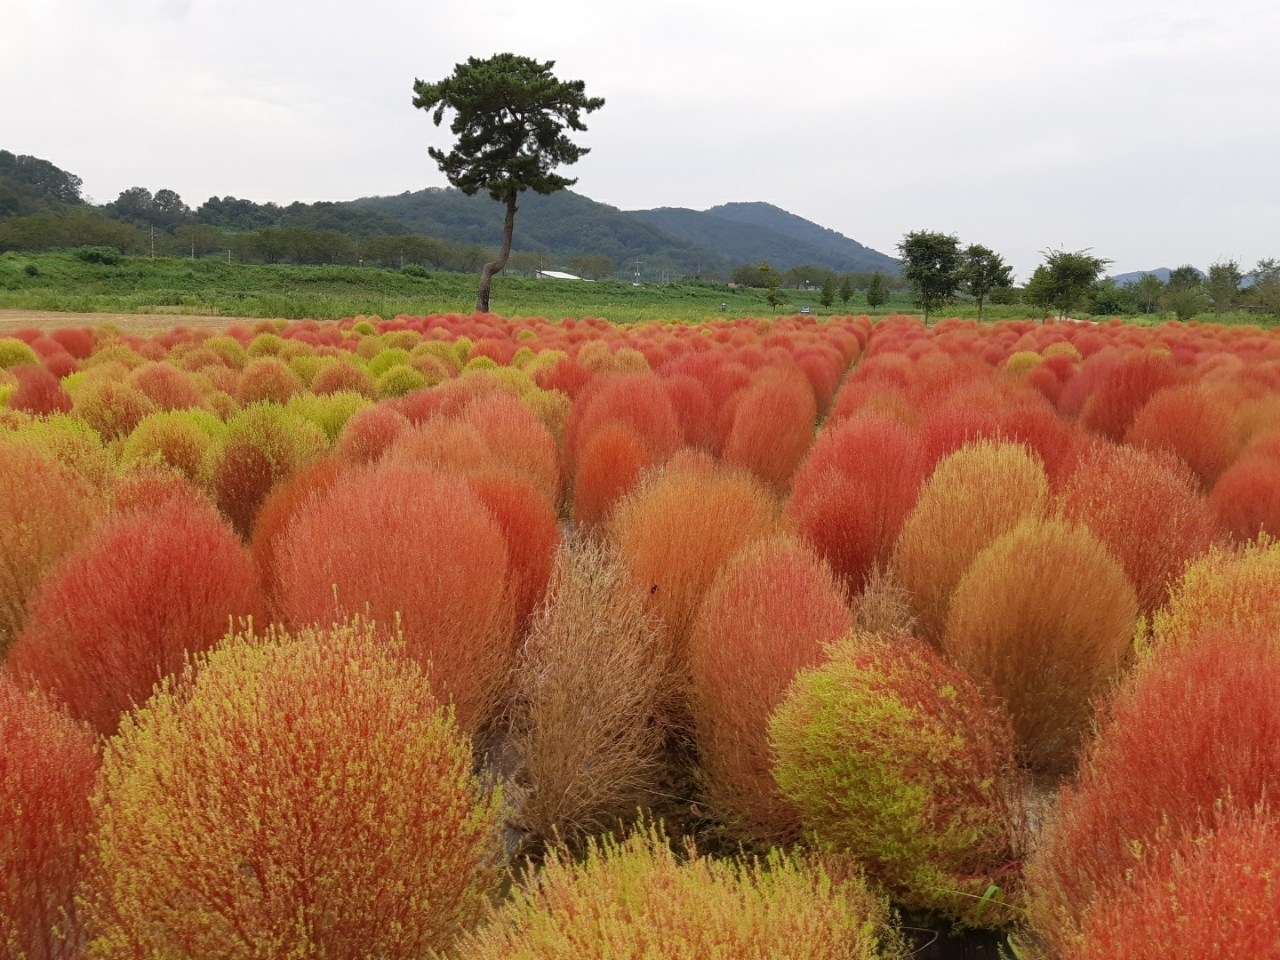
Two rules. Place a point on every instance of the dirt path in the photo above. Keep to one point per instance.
(11, 320)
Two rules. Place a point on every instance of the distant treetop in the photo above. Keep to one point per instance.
(53, 181)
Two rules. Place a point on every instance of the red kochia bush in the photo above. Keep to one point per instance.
(369, 433)
(1191, 423)
(47, 767)
(402, 539)
(773, 426)
(76, 341)
(531, 533)
(612, 460)
(278, 511)
(851, 495)
(38, 391)
(767, 615)
(166, 386)
(1220, 897)
(1196, 727)
(344, 377)
(1247, 497)
(637, 400)
(517, 440)
(124, 608)
(1147, 509)
(1113, 406)
(266, 379)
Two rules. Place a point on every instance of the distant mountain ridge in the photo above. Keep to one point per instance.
(1160, 273)
(665, 239)
(664, 242)
(748, 232)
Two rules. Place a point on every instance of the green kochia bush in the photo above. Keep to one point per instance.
(13, 352)
(385, 360)
(895, 758)
(399, 380)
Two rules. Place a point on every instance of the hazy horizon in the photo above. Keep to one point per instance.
(1135, 128)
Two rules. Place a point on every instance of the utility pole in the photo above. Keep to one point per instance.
(153, 241)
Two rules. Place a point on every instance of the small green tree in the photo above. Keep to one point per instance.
(772, 281)
(983, 271)
(1185, 276)
(1147, 291)
(931, 263)
(828, 295)
(1062, 283)
(1265, 292)
(877, 291)
(1223, 286)
(510, 118)
(1184, 293)
(846, 290)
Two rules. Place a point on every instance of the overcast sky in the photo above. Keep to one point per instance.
(1148, 130)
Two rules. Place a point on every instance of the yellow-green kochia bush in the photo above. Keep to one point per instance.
(399, 380)
(637, 898)
(14, 352)
(385, 360)
(895, 758)
(291, 796)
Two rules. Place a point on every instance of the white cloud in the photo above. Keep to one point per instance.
(1140, 128)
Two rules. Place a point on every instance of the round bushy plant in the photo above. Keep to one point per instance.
(1224, 589)
(126, 606)
(639, 898)
(1219, 896)
(1045, 615)
(14, 352)
(769, 613)
(176, 439)
(262, 446)
(398, 381)
(895, 758)
(44, 511)
(1192, 733)
(294, 796)
(47, 767)
(406, 542)
(678, 529)
(973, 496)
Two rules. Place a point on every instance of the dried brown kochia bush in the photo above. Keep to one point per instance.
(884, 606)
(589, 683)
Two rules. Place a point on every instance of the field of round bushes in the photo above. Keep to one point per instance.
(458, 636)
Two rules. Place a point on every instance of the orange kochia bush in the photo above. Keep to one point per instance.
(125, 608)
(403, 542)
(44, 510)
(1045, 617)
(678, 529)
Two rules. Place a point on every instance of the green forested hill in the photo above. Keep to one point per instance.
(562, 224)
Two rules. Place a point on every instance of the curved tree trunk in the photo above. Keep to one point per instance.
(494, 266)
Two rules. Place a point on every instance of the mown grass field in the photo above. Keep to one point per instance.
(214, 287)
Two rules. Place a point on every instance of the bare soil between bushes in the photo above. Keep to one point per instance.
(140, 323)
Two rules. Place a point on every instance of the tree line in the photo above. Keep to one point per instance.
(939, 271)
